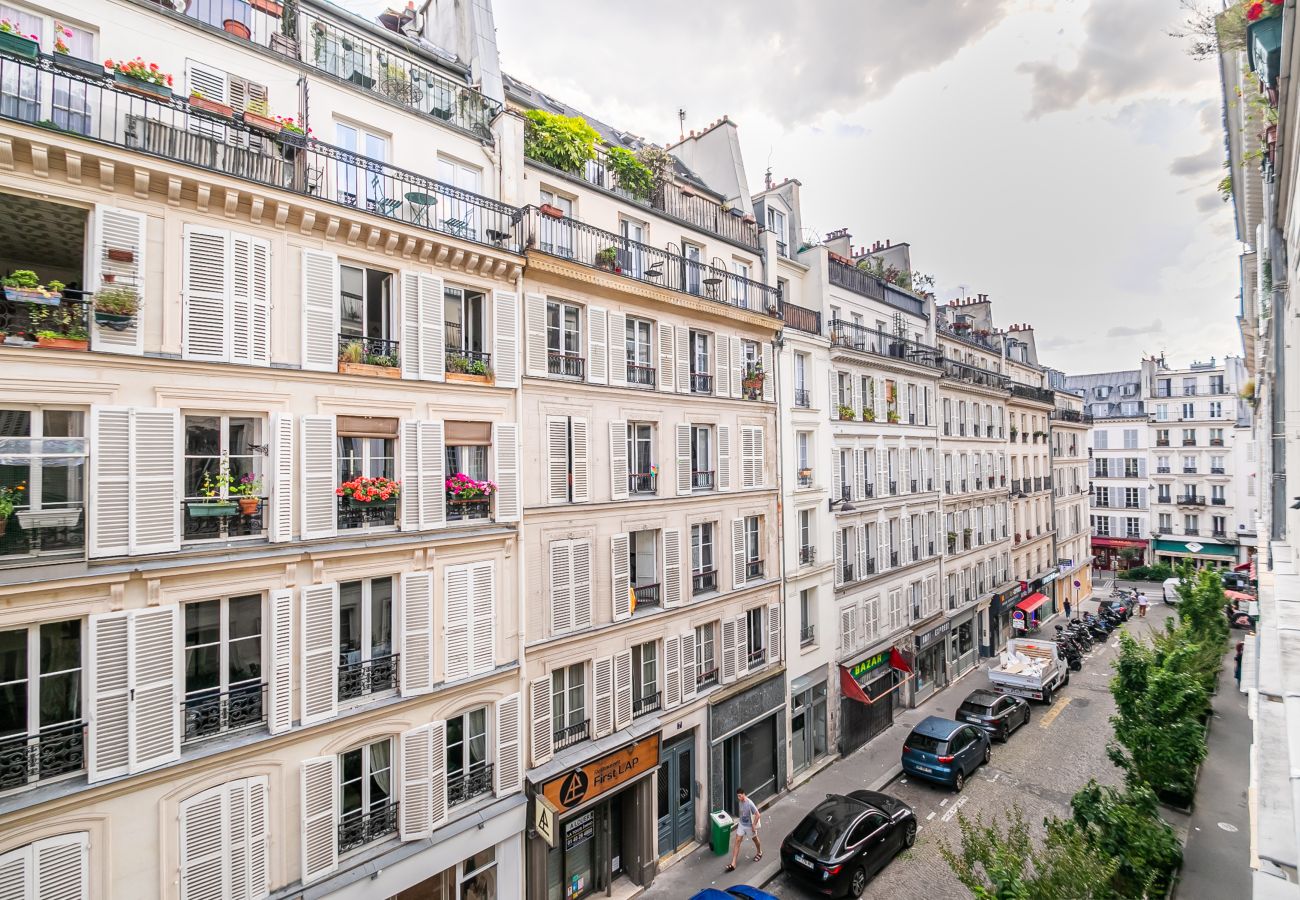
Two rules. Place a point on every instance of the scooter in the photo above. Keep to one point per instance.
(1080, 634)
(1098, 628)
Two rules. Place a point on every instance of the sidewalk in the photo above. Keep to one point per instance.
(871, 766)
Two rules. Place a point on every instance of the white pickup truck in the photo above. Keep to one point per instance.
(1031, 669)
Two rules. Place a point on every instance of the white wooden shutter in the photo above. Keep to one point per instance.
(580, 469)
(505, 450)
(539, 711)
(110, 691)
(737, 367)
(856, 400)
(602, 677)
(505, 339)
(773, 632)
(724, 457)
(834, 395)
(618, 349)
(864, 552)
(319, 681)
(110, 481)
(672, 587)
(738, 553)
(320, 311)
(728, 651)
(320, 478)
(204, 829)
(456, 623)
(155, 687)
(509, 753)
(416, 628)
(667, 358)
(582, 584)
(535, 335)
(483, 599)
(688, 666)
(722, 367)
(424, 491)
(758, 455)
(60, 868)
(672, 672)
(320, 818)
(205, 294)
(249, 304)
(414, 820)
(135, 486)
(282, 484)
(622, 689)
(838, 542)
(618, 460)
(837, 474)
(683, 459)
(597, 346)
(557, 459)
(769, 374)
(742, 645)
(438, 774)
(619, 578)
(120, 229)
(683, 362)
(280, 715)
(747, 478)
(211, 84)
(561, 587)
(423, 344)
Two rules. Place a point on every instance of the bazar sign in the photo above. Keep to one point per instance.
(871, 662)
(579, 785)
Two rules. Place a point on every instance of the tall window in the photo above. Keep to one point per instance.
(556, 236)
(640, 352)
(358, 185)
(1190, 524)
(45, 451)
(224, 459)
(366, 315)
(1216, 409)
(564, 339)
(805, 536)
(454, 214)
(801, 378)
(701, 457)
(568, 701)
(367, 448)
(645, 677)
(1220, 525)
(365, 787)
(465, 318)
(1131, 527)
(640, 457)
(366, 661)
(704, 577)
(1189, 410)
(701, 366)
(40, 695)
(467, 756)
(223, 656)
(706, 666)
(740, 284)
(755, 636)
(776, 225)
(753, 547)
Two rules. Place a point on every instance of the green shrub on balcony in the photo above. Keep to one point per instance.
(566, 143)
(632, 175)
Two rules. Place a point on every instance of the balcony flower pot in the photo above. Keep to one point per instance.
(86, 67)
(237, 28)
(48, 518)
(143, 88)
(115, 321)
(270, 7)
(62, 343)
(805, 473)
(12, 44)
(553, 211)
(212, 106)
(352, 368)
(248, 506)
(753, 384)
(1264, 48)
(32, 295)
(118, 255)
(215, 508)
(263, 123)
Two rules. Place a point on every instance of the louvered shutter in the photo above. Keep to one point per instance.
(211, 84)
(846, 629)
(882, 529)
(618, 349)
(728, 651)
(580, 469)
(737, 367)
(16, 876)
(689, 683)
(154, 482)
(320, 477)
(120, 229)
(426, 506)
(774, 632)
(509, 755)
(539, 710)
(414, 820)
(864, 552)
(618, 461)
(672, 588)
(724, 457)
(280, 715)
(620, 585)
(483, 599)
(60, 868)
(110, 690)
(505, 450)
(249, 315)
(423, 347)
(597, 346)
(742, 645)
(557, 459)
(320, 311)
(683, 459)
(837, 474)
(769, 375)
(722, 368)
(320, 648)
(409, 351)
(683, 360)
(282, 486)
(320, 817)
(456, 624)
(535, 335)
(834, 394)
(622, 689)
(672, 672)
(839, 558)
(667, 359)
(505, 338)
(856, 399)
(155, 688)
(110, 481)
(602, 677)
(438, 774)
(752, 452)
(582, 584)
(738, 553)
(416, 628)
(561, 587)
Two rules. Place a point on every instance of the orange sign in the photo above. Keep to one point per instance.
(579, 785)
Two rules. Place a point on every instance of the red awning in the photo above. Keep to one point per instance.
(1032, 602)
(1243, 567)
(1117, 542)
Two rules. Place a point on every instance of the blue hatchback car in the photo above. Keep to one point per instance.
(945, 751)
(735, 892)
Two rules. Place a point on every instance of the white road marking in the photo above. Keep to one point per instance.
(996, 776)
(952, 811)
(943, 802)
(929, 817)
(1227, 826)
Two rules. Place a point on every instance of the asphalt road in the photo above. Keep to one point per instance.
(1039, 768)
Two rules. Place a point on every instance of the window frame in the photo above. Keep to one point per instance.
(32, 664)
(366, 627)
(368, 806)
(224, 641)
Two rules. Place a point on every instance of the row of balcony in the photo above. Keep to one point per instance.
(978, 483)
(1071, 415)
(1190, 442)
(976, 430)
(1030, 485)
(1166, 470)
(1214, 390)
(1190, 532)
(854, 336)
(974, 375)
(864, 284)
(1030, 392)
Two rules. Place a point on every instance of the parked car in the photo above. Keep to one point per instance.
(839, 846)
(945, 751)
(1171, 591)
(1235, 581)
(735, 892)
(998, 714)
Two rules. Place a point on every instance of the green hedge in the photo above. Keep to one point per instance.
(1158, 572)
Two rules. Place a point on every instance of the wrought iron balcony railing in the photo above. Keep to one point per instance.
(465, 786)
(706, 678)
(702, 480)
(1030, 392)
(476, 510)
(360, 828)
(807, 555)
(214, 712)
(356, 679)
(370, 351)
(208, 521)
(468, 362)
(802, 398)
(571, 734)
(568, 365)
(641, 482)
(807, 635)
(853, 336)
(753, 569)
(701, 383)
(54, 751)
(640, 376)
(800, 318)
(54, 532)
(974, 375)
(846, 572)
(703, 582)
(645, 704)
(647, 595)
(366, 515)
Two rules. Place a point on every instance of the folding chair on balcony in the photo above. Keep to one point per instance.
(378, 201)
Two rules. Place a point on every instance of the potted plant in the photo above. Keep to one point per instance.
(1264, 38)
(892, 417)
(198, 101)
(213, 490)
(24, 287)
(292, 132)
(463, 490)
(58, 328)
(257, 115)
(9, 498)
(753, 380)
(805, 473)
(116, 306)
(1014, 431)
(846, 413)
(272, 8)
(141, 77)
(64, 59)
(14, 43)
(553, 211)
(868, 414)
(464, 368)
(607, 259)
(363, 491)
(248, 491)
(354, 359)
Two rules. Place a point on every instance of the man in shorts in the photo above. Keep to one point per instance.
(748, 819)
(1143, 602)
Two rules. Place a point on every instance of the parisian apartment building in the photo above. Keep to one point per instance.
(391, 513)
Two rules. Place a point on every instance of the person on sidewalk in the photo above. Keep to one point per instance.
(747, 827)
(1068, 607)
(1241, 648)
(1143, 602)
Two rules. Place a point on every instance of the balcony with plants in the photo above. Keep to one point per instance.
(223, 505)
(469, 499)
(878, 342)
(376, 357)
(42, 501)
(46, 315)
(366, 502)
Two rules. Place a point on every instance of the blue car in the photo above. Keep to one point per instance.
(945, 751)
(735, 892)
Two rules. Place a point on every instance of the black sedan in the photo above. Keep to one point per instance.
(846, 840)
(998, 714)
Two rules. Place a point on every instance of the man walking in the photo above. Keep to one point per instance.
(1142, 604)
(1067, 608)
(747, 827)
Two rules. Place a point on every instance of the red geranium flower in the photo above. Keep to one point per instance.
(1254, 11)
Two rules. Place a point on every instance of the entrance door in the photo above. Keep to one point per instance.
(676, 796)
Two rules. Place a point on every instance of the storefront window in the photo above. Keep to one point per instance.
(808, 727)
(479, 878)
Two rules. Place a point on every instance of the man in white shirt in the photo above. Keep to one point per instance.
(748, 820)
(1143, 602)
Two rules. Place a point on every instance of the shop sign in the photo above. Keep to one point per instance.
(1065, 563)
(1193, 547)
(579, 830)
(544, 820)
(1049, 577)
(868, 665)
(935, 634)
(579, 785)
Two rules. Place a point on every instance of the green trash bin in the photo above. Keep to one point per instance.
(720, 826)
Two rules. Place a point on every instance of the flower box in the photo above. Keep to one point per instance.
(62, 343)
(86, 67)
(115, 321)
(212, 106)
(467, 378)
(143, 88)
(206, 510)
(351, 368)
(122, 256)
(553, 211)
(270, 7)
(265, 123)
(48, 518)
(1264, 48)
(33, 295)
(17, 45)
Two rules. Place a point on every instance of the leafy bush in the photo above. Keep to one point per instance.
(1158, 572)
(631, 174)
(1126, 826)
(566, 143)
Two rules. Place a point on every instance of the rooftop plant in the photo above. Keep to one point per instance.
(566, 143)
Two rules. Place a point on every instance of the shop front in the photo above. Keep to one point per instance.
(931, 661)
(1002, 607)
(1201, 553)
(808, 720)
(962, 644)
(747, 743)
(593, 824)
(1029, 614)
(1074, 583)
(870, 692)
(1111, 552)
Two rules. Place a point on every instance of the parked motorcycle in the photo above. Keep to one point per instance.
(1098, 628)
(1123, 608)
